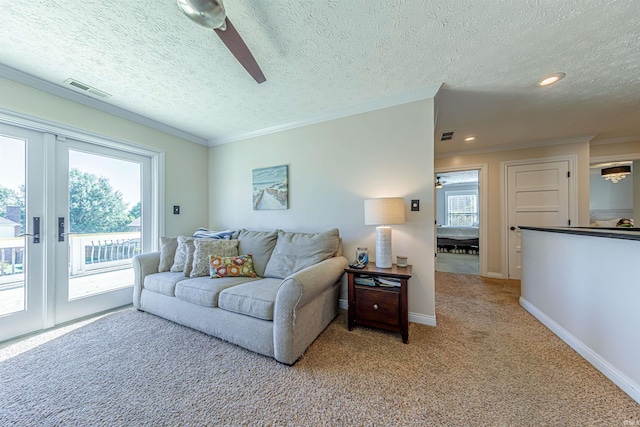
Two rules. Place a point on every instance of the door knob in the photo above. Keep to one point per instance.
(512, 228)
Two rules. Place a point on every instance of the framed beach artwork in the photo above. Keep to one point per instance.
(271, 188)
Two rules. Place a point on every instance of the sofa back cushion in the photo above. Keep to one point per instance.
(168, 246)
(296, 251)
(260, 245)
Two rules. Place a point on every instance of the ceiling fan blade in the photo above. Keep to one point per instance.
(236, 45)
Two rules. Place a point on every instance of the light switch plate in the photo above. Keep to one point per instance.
(415, 205)
(176, 210)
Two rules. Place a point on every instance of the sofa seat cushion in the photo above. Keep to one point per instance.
(163, 283)
(255, 299)
(204, 290)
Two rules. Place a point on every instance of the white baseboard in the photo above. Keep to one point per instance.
(618, 378)
(423, 319)
(494, 275)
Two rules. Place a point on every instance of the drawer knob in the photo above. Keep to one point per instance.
(375, 306)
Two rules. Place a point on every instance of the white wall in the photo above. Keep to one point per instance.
(185, 162)
(586, 290)
(607, 195)
(333, 167)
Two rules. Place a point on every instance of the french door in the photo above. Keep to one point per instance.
(99, 218)
(72, 216)
(22, 251)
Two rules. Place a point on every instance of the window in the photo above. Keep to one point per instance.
(462, 208)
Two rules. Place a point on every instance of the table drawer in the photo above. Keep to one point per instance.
(378, 305)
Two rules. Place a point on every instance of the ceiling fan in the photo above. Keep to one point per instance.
(211, 14)
(439, 183)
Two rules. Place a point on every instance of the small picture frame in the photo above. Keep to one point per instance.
(271, 188)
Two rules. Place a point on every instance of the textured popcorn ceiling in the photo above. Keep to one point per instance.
(321, 56)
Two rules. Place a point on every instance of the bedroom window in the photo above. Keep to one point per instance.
(462, 208)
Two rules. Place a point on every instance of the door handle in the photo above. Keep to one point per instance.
(512, 228)
(36, 230)
(61, 229)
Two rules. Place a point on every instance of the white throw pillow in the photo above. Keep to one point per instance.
(168, 247)
(184, 255)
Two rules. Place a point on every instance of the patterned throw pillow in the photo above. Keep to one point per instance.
(206, 247)
(235, 266)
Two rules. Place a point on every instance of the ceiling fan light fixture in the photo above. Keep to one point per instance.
(208, 13)
(615, 174)
(551, 79)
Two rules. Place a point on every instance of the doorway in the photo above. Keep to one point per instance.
(460, 218)
(72, 215)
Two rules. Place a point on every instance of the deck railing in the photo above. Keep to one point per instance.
(87, 252)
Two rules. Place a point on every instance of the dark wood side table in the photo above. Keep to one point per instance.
(378, 306)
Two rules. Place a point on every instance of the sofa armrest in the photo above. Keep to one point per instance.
(143, 265)
(292, 334)
(310, 282)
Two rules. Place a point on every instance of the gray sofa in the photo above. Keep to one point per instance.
(279, 313)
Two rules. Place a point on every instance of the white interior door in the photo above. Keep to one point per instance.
(537, 196)
(22, 231)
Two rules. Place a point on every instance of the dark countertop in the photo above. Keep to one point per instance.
(611, 233)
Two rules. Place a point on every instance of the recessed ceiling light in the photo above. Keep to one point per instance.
(470, 138)
(551, 79)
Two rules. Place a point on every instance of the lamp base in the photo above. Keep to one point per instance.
(383, 247)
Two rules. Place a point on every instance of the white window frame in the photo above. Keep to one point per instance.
(453, 193)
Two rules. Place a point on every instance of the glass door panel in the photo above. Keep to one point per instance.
(104, 222)
(21, 255)
(101, 217)
(12, 225)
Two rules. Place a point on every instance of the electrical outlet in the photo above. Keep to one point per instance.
(415, 205)
(176, 210)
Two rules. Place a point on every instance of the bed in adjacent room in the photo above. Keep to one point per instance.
(611, 218)
(458, 237)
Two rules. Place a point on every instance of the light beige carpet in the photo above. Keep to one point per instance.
(488, 362)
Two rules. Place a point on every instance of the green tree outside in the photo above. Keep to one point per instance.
(94, 206)
(135, 211)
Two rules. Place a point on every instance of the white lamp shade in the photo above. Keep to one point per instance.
(385, 211)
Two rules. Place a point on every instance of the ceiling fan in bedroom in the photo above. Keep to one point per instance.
(211, 14)
(439, 183)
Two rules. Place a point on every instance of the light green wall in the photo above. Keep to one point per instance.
(185, 162)
(333, 167)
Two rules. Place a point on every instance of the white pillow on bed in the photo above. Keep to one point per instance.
(611, 223)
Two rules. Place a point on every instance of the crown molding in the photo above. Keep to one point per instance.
(45, 86)
(531, 144)
(616, 140)
(376, 104)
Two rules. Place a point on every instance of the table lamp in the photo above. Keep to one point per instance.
(383, 212)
